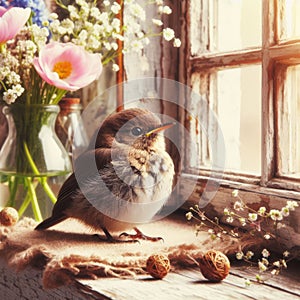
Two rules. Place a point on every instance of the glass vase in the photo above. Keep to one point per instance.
(33, 162)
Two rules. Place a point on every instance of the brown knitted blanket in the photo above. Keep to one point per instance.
(70, 250)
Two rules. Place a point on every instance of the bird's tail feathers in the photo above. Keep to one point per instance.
(50, 222)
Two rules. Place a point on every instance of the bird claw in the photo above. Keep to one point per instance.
(140, 236)
(111, 239)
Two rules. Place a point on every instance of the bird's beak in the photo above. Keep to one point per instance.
(160, 128)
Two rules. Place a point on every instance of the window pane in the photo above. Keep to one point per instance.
(239, 114)
(225, 25)
(290, 22)
(289, 125)
(238, 24)
(235, 96)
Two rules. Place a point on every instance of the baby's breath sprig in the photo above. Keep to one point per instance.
(262, 223)
(96, 26)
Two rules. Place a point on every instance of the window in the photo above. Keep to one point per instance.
(243, 58)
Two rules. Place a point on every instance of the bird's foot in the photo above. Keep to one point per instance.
(114, 240)
(140, 236)
(110, 239)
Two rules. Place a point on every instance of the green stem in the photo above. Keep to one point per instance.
(47, 189)
(25, 204)
(13, 186)
(34, 202)
(42, 180)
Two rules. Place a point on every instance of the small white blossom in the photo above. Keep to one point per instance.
(249, 254)
(226, 212)
(157, 22)
(267, 236)
(238, 205)
(291, 205)
(252, 217)
(229, 219)
(265, 253)
(189, 216)
(286, 253)
(243, 221)
(285, 211)
(239, 255)
(106, 3)
(275, 215)
(168, 34)
(276, 263)
(261, 266)
(235, 193)
(115, 8)
(265, 261)
(283, 262)
(261, 211)
(164, 10)
(9, 96)
(177, 43)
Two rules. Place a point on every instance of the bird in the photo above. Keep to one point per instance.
(123, 178)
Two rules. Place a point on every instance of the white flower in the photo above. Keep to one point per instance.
(283, 262)
(239, 255)
(249, 254)
(115, 8)
(275, 215)
(274, 272)
(265, 261)
(9, 96)
(291, 205)
(261, 266)
(276, 264)
(168, 34)
(106, 3)
(189, 216)
(285, 211)
(261, 211)
(235, 193)
(18, 90)
(226, 212)
(157, 22)
(164, 10)
(286, 253)
(177, 43)
(229, 219)
(252, 217)
(238, 205)
(267, 236)
(115, 68)
(243, 221)
(265, 253)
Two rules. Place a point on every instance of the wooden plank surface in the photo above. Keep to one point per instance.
(190, 284)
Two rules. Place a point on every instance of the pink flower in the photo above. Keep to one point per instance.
(67, 66)
(11, 21)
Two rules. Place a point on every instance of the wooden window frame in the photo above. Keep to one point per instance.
(275, 55)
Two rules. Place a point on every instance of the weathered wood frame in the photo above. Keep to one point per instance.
(275, 56)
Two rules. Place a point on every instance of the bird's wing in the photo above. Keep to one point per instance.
(85, 166)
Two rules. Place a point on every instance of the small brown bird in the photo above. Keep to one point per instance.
(124, 178)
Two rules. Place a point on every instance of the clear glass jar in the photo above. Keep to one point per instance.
(33, 162)
(69, 127)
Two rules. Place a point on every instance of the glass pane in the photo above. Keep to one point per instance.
(289, 125)
(239, 115)
(237, 24)
(235, 96)
(290, 21)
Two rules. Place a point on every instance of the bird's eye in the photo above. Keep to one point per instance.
(136, 131)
